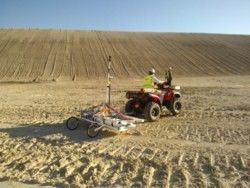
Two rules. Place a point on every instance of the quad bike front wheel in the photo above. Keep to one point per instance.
(176, 106)
(72, 123)
(92, 132)
(152, 111)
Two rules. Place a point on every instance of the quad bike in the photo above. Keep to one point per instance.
(149, 104)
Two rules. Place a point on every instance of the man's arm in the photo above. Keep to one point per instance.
(156, 80)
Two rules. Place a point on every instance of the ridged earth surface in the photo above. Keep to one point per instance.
(37, 55)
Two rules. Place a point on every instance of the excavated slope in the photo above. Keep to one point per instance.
(31, 55)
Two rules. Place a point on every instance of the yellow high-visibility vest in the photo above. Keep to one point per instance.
(148, 82)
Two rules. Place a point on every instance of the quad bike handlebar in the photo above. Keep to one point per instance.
(162, 86)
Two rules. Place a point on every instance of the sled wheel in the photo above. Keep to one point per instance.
(92, 132)
(72, 123)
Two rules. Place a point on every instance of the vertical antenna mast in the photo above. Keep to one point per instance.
(109, 81)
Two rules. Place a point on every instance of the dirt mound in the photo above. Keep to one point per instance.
(33, 55)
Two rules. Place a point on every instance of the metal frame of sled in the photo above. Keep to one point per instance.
(96, 126)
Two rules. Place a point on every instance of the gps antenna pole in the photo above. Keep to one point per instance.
(109, 81)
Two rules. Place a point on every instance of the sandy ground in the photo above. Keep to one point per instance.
(13, 184)
(207, 145)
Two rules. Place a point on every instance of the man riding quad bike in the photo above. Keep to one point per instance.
(151, 102)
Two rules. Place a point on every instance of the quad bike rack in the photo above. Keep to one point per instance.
(103, 116)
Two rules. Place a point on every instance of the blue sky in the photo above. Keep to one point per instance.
(205, 16)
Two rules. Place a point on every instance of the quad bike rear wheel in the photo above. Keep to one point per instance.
(175, 106)
(72, 123)
(129, 106)
(152, 111)
(92, 132)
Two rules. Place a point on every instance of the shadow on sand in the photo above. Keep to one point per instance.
(53, 132)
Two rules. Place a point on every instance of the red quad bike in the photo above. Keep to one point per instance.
(149, 103)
